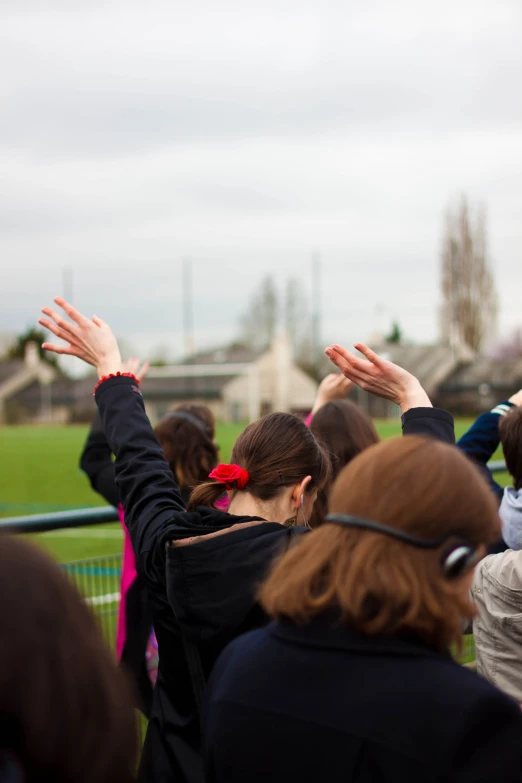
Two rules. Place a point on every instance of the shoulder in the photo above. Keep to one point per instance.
(238, 657)
(505, 568)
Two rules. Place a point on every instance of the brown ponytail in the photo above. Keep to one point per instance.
(277, 451)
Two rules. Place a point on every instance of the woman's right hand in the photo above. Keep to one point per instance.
(90, 340)
(379, 376)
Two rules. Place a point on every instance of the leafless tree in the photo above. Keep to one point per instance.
(259, 322)
(297, 318)
(468, 289)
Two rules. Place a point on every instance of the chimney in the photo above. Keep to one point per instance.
(31, 355)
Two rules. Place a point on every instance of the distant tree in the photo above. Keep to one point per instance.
(32, 335)
(468, 290)
(297, 318)
(511, 348)
(259, 322)
(395, 335)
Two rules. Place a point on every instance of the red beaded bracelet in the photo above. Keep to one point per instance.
(115, 375)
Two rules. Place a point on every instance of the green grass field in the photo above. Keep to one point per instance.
(39, 473)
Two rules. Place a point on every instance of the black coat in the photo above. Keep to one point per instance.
(203, 593)
(324, 703)
(96, 462)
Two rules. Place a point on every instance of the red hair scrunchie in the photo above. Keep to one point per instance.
(229, 475)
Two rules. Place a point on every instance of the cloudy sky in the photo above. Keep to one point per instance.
(244, 136)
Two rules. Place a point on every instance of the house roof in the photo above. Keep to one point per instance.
(496, 373)
(10, 367)
(206, 386)
(231, 354)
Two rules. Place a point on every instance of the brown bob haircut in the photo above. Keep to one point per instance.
(510, 430)
(376, 584)
(188, 443)
(66, 711)
(345, 430)
(278, 451)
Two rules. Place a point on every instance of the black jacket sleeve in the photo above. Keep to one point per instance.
(148, 491)
(431, 422)
(97, 463)
(482, 439)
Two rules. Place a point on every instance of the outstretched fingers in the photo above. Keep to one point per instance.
(69, 350)
(69, 337)
(344, 361)
(59, 320)
(370, 355)
(71, 311)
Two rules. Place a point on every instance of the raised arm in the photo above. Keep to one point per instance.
(96, 462)
(147, 489)
(482, 439)
(385, 379)
(96, 458)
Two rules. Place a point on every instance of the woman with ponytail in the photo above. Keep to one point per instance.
(203, 566)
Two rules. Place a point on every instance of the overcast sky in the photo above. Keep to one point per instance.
(244, 135)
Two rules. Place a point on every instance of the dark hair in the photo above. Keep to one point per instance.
(277, 451)
(377, 584)
(187, 438)
(66, 710)
(200, 412)
(510, 431)
(345, 430)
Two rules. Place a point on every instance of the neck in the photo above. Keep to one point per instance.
(243, 504)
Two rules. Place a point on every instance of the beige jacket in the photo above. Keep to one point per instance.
(497, 590)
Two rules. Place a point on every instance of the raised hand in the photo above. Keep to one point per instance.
(132, 365)
(333, 387)
(90, 340)
(379, 376)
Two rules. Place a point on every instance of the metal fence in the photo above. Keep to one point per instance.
(98, 578)
(98, 581)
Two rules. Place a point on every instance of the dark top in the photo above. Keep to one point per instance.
(482, 440)
(96, 462)
(206, 589)
(480, 443)
(324, 703)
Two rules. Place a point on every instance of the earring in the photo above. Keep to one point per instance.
(293, 521)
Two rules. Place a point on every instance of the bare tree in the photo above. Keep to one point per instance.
(258, 324)
(469, 298)
(297, 318)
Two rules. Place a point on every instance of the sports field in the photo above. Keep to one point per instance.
(39, 473)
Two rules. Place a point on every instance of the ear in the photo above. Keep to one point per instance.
(299, 490)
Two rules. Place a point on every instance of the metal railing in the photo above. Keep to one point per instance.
(41, 523)
(98, 578)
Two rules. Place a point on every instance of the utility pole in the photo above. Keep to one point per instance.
(316, 308)
(67, 283)
(188, 320)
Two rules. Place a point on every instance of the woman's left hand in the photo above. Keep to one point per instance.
(379, 376)
(92, 341)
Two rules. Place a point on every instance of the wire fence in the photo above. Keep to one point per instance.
(98, 581)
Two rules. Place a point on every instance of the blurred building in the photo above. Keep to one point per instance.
(236, 383)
